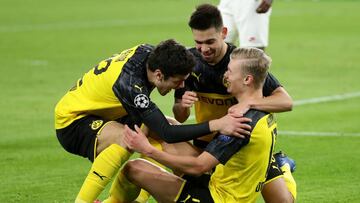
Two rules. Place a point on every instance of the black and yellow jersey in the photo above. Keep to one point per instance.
(209, 84)
(118, 87)
(244, 163)
(121, 77)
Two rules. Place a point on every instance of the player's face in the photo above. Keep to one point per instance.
(165, 86)
(234, 77)
(210, 44)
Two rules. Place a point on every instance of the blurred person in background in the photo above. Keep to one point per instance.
(247, 21)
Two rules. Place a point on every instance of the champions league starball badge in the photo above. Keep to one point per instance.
(141, 101)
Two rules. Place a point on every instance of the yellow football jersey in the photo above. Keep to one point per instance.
(107, 88)
(243, 167)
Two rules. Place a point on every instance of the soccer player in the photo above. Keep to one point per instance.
(241, 164)
(205, 88)
(90, 117)
(247, 20)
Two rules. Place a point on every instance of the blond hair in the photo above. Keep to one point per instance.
(254, 62)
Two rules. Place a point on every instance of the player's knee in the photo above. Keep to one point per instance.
(110, 134)
(134, 169)
(285, 198)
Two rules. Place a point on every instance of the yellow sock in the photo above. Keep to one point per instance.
(106, 164)
(122, 190)
(289, 180)
(143, 197)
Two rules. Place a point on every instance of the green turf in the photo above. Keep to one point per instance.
(46, 45)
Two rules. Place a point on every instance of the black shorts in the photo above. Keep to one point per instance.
(200, 143)
(274, 170)
(196, 190)
(80, 136)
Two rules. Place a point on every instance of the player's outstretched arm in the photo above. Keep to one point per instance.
(278, 101)
(157, 122)
(137, 141)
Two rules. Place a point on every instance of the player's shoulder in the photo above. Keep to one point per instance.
(231, 46)
(134, 84)
(132, 80)
(200, 63)
(142, 52)
(229, 50)
(255, 115)
(145, 48)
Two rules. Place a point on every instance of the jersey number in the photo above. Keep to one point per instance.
(98, 71)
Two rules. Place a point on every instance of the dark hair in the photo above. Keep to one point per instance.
(171, 58)
(206, 16)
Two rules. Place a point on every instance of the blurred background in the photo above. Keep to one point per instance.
(45, 46)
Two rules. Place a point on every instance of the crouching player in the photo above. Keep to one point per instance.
(241, 164)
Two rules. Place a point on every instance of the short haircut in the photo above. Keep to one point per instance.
(206, 16)
(253, 61)
(171, 58)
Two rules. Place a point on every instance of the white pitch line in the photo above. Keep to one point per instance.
(300, 133)
(316, 100)
(337, 97)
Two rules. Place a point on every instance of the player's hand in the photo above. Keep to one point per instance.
(136, 140)
(264, 6)
(188, 99)
(238, 110)
(235, 126)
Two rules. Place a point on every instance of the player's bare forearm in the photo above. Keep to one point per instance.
(181, 113)
(278, 101)
(137, 141)
(185, 164)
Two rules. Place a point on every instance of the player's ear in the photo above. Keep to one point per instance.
(158, 75)
(224, 32)
(248, 79)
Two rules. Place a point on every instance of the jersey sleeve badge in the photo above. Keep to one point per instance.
(141, 101)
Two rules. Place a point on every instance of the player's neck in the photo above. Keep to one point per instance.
(249, 95)
(150, 76)
(221, 55)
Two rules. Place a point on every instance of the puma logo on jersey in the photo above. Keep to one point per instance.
(100, 176)
(138, 87)
(196, 76)
(275, 167)
(188, 198)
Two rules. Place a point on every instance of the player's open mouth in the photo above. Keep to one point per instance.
(208, 58)
(207, 53)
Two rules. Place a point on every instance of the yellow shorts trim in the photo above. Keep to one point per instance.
(180, 191)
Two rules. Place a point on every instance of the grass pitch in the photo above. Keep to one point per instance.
(46, 45)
